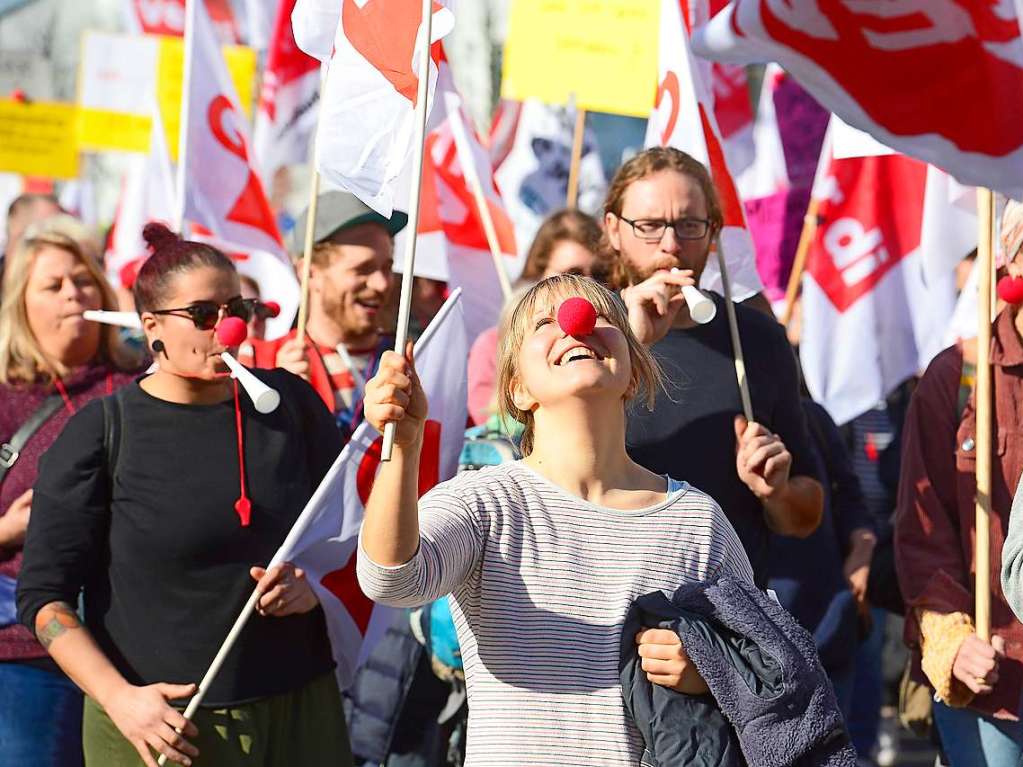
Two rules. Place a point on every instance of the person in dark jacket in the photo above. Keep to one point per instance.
(822, 580)
(770, 701)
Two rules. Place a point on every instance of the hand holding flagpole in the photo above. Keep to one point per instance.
(408, 269)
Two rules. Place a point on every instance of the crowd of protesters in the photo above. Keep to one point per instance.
(586, 599)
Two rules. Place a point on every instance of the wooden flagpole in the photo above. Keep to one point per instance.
(307, 250)
(407, 275)
(475, 185)
(186, 81)
(982, 539)
(799, 264)
(733, 327)
(310, 221)
(577, 156)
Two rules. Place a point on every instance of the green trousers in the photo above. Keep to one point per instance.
(303, 728)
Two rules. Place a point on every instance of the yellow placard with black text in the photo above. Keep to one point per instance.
(39, 139)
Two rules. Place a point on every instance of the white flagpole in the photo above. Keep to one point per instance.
(472, 178)
(407, 275)
(186, 80)
(308, 515)
(733, 327)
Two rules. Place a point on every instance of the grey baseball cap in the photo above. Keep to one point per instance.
(337, 210)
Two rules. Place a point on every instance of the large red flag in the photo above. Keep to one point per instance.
(938, 80)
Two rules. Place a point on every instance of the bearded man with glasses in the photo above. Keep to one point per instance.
(662, 215)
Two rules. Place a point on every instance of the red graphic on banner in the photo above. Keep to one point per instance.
(251, 208)
(942, 63)
(286, 62)
(167, 17)
(872, 222)
(429, 462)
(344, 584)
(468, 232)
(669, 88)
(384, 32)
(730, 204)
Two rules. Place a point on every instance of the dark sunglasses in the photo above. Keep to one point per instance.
(206, 314)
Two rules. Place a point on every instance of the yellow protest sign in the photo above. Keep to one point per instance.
(604, 52)
(38, 139)
(122, 78)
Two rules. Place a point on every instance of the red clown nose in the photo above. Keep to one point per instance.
(272, 308)
(232, 331)
(577, 317)
(1010, 289)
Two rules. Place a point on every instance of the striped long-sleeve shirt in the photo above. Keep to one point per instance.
(541, 582)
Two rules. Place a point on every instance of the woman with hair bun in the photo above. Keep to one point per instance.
(164, 527)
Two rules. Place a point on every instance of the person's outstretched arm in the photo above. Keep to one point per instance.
(410, 552)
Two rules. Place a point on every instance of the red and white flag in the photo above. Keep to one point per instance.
(870, 319)
(450, 227)
(683, 117)
(325, 537)
(367, 125)
(938, 80)
(167, 17)
(531, 150)
(288, 102)
(217, 181)
(147, 194)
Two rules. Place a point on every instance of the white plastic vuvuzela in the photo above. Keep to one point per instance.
(263, 397)
(122, 319)
(701, 308)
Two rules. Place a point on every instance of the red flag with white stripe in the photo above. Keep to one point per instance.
(368, 100)
(939, 80)
(324, 539)
(683, 117)
(288, 101)
(221, 190)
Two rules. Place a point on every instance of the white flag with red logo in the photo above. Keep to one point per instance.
(870, 319)
(324, 539)
(683, 117)
(450, 226)
(367, 125)
(937, 79)
(222, 191)
(288, 101)
(147, 194)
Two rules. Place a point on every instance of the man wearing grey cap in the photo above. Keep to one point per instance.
(350, 282)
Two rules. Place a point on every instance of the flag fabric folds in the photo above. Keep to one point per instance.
(367, 125)
(324, 539)
(683, 117)
(221, 189)
(939, 80)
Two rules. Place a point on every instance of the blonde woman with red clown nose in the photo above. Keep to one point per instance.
(544, 556)
(160, 505)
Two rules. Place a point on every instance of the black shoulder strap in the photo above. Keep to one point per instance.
(113, 431)
(10, 450)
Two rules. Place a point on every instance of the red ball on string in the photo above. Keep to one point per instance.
(272, 308)
(577, 317)
(232, 331)
(1010, 289)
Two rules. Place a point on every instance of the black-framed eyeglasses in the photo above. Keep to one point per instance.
(206, 314)
(653, 229)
